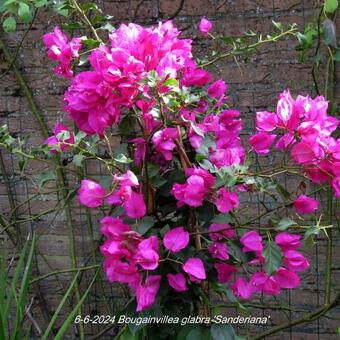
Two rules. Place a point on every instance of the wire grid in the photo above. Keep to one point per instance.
(94, 303)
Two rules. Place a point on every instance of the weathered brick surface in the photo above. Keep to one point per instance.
(253, 87)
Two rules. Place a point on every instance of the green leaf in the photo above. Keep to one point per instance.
(24, 12)
(121, 158)
(78, 160)
(222, 219)
(236, 252)
(23, 293)
(312, 231)
(79, 137)
(171, 82)
(40, 3)
(277, 25)
(58, 309)
(9, 25)
(337, 55)
(90, 42)
(105, 181)
(45, 177)
(222, 332)
(145, 224)
(331, 5)
(70, 319)
(273, 255)
(22, 164)
(198, 333)
(329, 32)
(285, 223)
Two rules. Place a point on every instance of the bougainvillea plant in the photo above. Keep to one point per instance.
(178, 179)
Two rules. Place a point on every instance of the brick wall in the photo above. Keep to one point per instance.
(253, 86)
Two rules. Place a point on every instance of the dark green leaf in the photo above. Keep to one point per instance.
(206, 212)
(145, 224)
(153, 169)
(222, 332)
(198, 333)
(273, 255)
(236, 252)
(22, 164)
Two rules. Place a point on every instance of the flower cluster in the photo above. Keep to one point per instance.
(128, 256)
(284, 277)
(95, 98)
(62, 50)
(61, 137)
(307, 130)
(187, 128)
(92, 195)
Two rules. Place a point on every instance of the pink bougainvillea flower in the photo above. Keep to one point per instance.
(304, 152)
(56, 139)
(295, 261)
(335, 183)
(205, 26)
(147, 255)
(176, 239)
(59, 48)
(218, 232)
(287, 241)
(191, 193)
(208, 178)
(113, 248)
(140, 150)
(113, 227)
(195, 268)
(218, 250)
(120, 196)
(242, 288)
(146, 293)
(305, 205)
(287, 112)
(163, 141)
(286, 278)
(90, 102)
(263, 283)
(90, 193)
(224, 271)
(217, 89)
(177, 282)
(252, 241)
(195, 77)
(285, 141)
(119, 271)
(266, 121)
(135, 205)
(127, 179)
(226, 201)
(261, 142)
